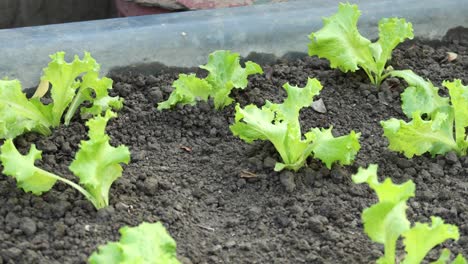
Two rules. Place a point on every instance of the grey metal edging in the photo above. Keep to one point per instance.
(185, 39)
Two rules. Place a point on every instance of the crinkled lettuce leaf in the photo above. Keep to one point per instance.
(21, 167)
(421, 238)
(224, 74)
(386, 221)
(420, 95)
(330, 149)
(459, 99)
(419, 136)
(63, 78)
(97, 164)
(188, 89)
(435, 119)
(95, 90)
(18, 114)
(340, 42)
(146, 243)
(279, 123)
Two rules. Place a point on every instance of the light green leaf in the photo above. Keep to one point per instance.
(188, 89)
(21, 167)
(444, 257)
(146, 243)
(330, 149)
(419, 136)
(420, 96)
(392, 31)
(226, 73)
(97, 163)
(420, 239)
(340, 42)
(459, 260)
(19, 114)
(297, 99)
(252, 123)
(63, 77)
(279, 123)
(385, 221)
(386, 191)
(459, 98)
(111, 253)
(96, 91)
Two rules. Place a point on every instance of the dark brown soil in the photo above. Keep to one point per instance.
(187, 171)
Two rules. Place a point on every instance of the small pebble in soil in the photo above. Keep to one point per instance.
(436, 170)
(451, 158)
(287, 179)
(269, 163)
(28, 226)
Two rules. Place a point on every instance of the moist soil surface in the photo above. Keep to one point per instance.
(219, 196)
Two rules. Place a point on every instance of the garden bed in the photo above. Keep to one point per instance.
(218, 196)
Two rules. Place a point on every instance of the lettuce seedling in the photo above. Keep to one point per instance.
(438, 123)
(96, 164)
(386, 221)
(224, 74)
(279, 123)
(340, 42)
(19, 114)
(146, 243)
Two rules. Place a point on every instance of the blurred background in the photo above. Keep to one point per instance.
(23, 13)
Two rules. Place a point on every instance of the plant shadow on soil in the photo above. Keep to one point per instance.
(218, 196)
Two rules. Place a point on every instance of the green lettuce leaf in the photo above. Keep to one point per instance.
(94, 90)
(19, 114)
(188, 89)
(97, 163)
(340, 42)
(385, 221)
(63, 78)
(444, 116)
(279, 123)
(445, 258)
(224, 74)
(420, 96)
(392, 31)
(459, 99)
(419, 136)
(21, 167)
(330, 149)
(459, 260)
(420, 239)
(146, 243)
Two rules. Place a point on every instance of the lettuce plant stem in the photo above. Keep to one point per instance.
(390, 249)
(371, 78)
(79, 98)
(72, 184)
